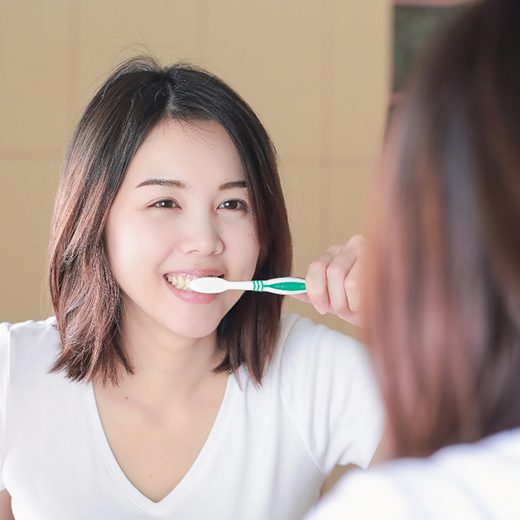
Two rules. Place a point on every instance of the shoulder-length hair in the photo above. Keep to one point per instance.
(85, 296)
(442, 297)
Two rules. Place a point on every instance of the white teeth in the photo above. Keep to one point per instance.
(180, 281)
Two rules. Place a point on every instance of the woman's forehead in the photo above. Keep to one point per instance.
(188, 152)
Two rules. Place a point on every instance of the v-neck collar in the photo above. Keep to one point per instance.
(190, 478)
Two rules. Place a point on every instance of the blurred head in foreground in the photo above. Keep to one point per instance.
(443, 286)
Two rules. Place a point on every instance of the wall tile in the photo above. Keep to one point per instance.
(327, 205)
(359, 78)
(26, 199)
(349, 200)
(271, 52)
(306, 196)
(34, 59)
(109, 32)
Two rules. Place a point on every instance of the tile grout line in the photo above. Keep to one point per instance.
(202, 23)
(73, 65)
(327, 22)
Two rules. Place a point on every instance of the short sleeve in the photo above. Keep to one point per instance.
(4, 372)
(330, 390)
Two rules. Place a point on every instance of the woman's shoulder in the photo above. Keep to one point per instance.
(29, 341)
(304, 342)
(477, 464)
(29, 331)
(308, 351)
(325, 382)
(474, 464)
(363, 494)
(477, 480)
(296, 328)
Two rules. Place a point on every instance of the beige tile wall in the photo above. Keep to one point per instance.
(316, 72)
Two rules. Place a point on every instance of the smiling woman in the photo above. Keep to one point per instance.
(142, 399)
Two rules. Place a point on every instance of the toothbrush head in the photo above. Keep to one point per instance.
(208, 285)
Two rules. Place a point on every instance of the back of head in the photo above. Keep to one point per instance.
(443, 288)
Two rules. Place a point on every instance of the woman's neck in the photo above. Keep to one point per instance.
(167, 368)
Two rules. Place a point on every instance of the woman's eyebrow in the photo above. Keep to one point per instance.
(233, 184)
(179, 184)
(162, 182)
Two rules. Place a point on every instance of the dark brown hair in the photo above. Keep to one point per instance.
(443, 284)
(85, 296)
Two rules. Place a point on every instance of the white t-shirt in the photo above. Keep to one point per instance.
(461, 482)
(265, 458)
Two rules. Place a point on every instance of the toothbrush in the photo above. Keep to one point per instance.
(213, 285)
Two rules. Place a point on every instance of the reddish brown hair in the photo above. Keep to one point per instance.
(85, 296)
(443, 286)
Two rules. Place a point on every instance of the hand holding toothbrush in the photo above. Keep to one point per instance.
(333, 280)
(331, 285)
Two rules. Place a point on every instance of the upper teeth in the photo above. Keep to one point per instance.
(180, 281)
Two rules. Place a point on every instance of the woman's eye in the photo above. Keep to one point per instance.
(165, 203)
(233, 204)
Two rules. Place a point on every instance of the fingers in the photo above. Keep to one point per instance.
(333, 280)
(352, 287)
(338, 274)
(317, 280)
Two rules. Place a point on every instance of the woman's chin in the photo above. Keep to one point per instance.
(190, 327)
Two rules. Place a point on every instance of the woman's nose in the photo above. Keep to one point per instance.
(201, 236)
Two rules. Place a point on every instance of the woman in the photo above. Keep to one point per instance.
(443, 287)
(142, 399)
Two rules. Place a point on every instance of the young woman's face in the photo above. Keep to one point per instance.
(182, 211)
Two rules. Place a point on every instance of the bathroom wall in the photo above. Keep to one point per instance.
(317, 73)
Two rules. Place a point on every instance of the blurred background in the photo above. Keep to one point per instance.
(321, 75)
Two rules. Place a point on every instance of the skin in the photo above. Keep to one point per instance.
(202, 223)
(5, 506)
(333, 280)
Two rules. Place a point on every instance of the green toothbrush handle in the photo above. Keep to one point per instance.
(288, 286)
(285, 285)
